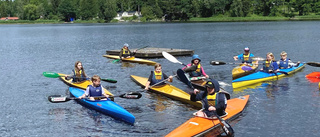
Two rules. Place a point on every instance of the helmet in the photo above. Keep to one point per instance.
(213, 84)
(246, 49)
(125, 44)
(195, 56)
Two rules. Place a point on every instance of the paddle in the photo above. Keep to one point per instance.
(61, 99)
(314, 64)
(56, 75)
(225, 126)
(117, 60)
(171, 58)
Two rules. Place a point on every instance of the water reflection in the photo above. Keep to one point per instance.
(127, 65)
(276, 88)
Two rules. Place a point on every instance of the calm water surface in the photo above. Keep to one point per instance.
(287, 107)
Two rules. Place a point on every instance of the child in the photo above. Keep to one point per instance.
(125, 52)
(157, 76)
(94, 90)
(285, 63)
(78, 73)
(270, 66)
(200, 71)
(245, 57)
(212, 100)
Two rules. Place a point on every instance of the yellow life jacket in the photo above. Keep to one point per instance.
(125, 51)
(211, 99)
(78, 74)
(198, 68)
(267, 63)
(246, 57)
(158, 76)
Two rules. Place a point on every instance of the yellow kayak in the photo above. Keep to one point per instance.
(243, 70)
(167, 90)
(81, 85)
(132, 59)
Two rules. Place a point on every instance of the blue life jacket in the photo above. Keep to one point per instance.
(78, 77)
(95, 91)
(156, 78)
(284, 64)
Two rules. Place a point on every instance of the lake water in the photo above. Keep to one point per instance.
(287, 107)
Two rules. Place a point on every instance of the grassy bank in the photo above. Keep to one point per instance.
(253, 18)
(219, 18)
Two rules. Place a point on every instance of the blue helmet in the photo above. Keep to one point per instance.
(195, 56)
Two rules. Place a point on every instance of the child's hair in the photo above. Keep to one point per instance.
(95, 78)
(157, 65)
(272, 56)
(76, 66)
(283, 53)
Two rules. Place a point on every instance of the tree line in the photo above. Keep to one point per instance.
(106, 10)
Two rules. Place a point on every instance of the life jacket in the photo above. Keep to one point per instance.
(219, 101)
(197, 72)
(267, 65)
(95, 91)
(157, 77)
(246, 58)
(78, 76)
(125, 52)
(284, 64)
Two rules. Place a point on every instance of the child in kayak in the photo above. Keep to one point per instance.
(245, 57)
(199, 71)
(270, 65)
(213, 101)
(285, 63)
(94, 90)
(125, 52)
(78, 73)
(157, 76)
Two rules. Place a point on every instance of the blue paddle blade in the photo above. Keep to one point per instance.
(246, 68)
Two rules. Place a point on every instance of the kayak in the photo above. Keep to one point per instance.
(313, 75)
(107, 107)
(243, 70)
(263, 76)
(132, 59)
(81, 85)
(167, 90)
(200, 126)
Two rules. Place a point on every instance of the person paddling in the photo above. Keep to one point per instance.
(78, 73)
(212, 100)
(245, 57)
(94, 90)
(270, 65)
(199, 71)
(285, 63)
(125, 52)
(157, 76)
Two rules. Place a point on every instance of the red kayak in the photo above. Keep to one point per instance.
(313, 77)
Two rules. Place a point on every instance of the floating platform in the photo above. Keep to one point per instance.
(152, 52)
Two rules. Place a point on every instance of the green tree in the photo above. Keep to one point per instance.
(107, 9)
(88, 9)
(30, 12)
(240, 8)
(67, 9)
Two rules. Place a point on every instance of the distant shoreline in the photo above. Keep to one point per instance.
(209, 19)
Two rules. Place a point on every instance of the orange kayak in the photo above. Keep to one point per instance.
(199, 126)
(313, 75)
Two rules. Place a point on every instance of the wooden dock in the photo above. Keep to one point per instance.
(152, 52)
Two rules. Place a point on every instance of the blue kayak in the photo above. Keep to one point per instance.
(107, 107)
(263, 76)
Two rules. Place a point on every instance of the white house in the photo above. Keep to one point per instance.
(127, 14)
